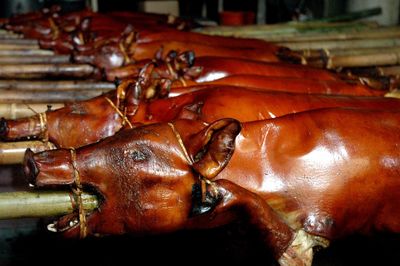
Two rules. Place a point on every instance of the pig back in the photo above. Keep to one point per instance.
(332, 172)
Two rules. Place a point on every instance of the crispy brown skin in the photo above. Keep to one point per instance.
(86, 122)
(331, 172)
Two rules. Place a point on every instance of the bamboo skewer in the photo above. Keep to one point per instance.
(26, 52)
(342, 44)
(361, 51)
(47, 71)
(35, 59)
(379, 33)
(13, 152)
(18, 110)
(56, 85)
(19, 41)
(353, 57)
(290, 28)
(393, 94)
(373, 59)
(30, 96)
(26, 204)
(10, 46)
(10, 36)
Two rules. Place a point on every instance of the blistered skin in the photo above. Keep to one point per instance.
(89, 121)
(325, 173)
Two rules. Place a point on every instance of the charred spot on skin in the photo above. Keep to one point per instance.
(136, 155)
(78, 109)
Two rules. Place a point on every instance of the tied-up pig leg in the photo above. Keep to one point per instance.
(294, 248)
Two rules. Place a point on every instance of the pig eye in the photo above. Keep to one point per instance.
(136, 155)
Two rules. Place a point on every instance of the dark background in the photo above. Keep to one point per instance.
(277, 10)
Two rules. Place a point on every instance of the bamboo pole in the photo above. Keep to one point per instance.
(380, 33)
(363, 60)
(6, 34)
(353, 15)
(19, 41)
(342, 44)
(393, 94)
(61, 85)
(35, 59)
(18, 110)
(10, 36)
(26, 52)
(13, 152)
(27, 71)
(30, 96)
(24, 204)
(287, 28)
(389, 71)
(361, 51)
(11, 46)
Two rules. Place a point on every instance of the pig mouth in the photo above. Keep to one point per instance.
(78, 212)
(30, 168)
(3, 128)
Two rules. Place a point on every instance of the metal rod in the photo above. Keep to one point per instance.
(18, 110)
(13, 152)
(26, 204)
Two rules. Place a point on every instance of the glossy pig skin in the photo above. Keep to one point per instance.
(301, 180)
(287, 84)
(219, 67)
(141, 51)
(212, 68)
(89, 121)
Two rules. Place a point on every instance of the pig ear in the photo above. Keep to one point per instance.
(212, 148)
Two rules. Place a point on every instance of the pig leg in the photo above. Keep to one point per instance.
(289, 247)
